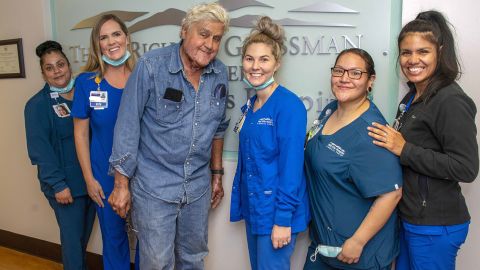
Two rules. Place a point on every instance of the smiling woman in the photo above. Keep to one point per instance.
(435, 137)
(49, 130)
(95, 107)
(270, 156)
(347, 173)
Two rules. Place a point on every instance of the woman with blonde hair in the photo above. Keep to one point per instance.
(269, 189)
(95, 107)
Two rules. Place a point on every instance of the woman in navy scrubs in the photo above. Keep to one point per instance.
(49, 130)
(269, 189)
(435, 137)
(354, 185)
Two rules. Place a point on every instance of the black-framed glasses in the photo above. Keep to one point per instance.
(352, 73)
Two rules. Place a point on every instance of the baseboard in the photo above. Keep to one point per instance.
(44, 249)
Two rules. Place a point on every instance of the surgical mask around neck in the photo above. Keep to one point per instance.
(65, 89)
(259, 87)
(118, 62)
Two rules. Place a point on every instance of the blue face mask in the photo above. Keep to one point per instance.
(65, 89)
(260, 87)
(118, 62)
(327, 251)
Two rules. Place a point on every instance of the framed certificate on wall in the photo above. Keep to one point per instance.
(11, 59)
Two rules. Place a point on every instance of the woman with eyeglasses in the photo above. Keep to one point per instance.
(354, 185)
(435, 137)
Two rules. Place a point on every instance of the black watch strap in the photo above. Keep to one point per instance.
(220, 171)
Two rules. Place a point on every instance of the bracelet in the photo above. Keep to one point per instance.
(220, 171)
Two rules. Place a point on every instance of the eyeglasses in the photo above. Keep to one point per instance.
(352, 73)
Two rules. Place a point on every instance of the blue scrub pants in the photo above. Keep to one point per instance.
(116, 251)
(430, 247)
(262, 254)
(75, 221)
(319, 264)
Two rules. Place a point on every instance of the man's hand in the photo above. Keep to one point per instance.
(217, 190)
(120, 198)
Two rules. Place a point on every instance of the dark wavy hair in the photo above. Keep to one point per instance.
(47, 47)
(435, 28)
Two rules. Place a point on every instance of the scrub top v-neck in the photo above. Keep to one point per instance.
(345, 174)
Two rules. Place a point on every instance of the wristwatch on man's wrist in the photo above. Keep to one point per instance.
(217, 171)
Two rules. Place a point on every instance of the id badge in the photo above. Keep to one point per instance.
(313, 131)
(61, 110)
(98, 100)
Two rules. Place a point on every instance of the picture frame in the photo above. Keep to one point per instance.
(11, 59)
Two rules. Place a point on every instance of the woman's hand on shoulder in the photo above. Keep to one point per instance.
(387, 137)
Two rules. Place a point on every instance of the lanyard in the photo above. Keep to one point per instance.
(409, 103)
(397, 124)
(239, 124)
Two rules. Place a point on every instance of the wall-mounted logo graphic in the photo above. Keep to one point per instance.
(173, 16)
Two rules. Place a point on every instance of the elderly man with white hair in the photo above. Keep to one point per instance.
(167, 151)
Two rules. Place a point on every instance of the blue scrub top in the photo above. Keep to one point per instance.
(51, 145)
(269, 185)
(102, 123)
(345, 173)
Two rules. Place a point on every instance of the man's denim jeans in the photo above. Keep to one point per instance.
(170, 234)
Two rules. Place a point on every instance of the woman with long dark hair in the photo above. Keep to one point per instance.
(434, 135)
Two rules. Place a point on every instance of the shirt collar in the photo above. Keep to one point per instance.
(176, 64)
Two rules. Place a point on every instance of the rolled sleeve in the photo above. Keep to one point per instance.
(127, 128)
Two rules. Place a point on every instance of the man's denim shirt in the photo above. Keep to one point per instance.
(160, 142)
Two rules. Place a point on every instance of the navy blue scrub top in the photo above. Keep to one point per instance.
(345, 173)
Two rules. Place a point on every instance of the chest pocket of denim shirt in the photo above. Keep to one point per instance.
(217, 101)
(169, 111)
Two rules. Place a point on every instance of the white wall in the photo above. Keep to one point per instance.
(24, 210)
(463, 15)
